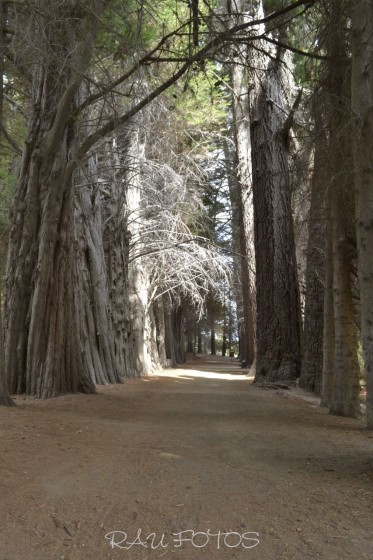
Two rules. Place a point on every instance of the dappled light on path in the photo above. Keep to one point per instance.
(195, 373)
(208, 367)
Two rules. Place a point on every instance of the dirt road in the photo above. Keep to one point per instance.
(258, 474)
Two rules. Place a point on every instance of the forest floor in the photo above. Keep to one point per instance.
(189, 450)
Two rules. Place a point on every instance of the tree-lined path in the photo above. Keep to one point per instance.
(195, 448)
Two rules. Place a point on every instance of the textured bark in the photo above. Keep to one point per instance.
(43, 354)
(278, 310)
(346, 387)
(362, 108)
(238, 280)
(97, 330)
(158, 307)
(5, 399)
(345, 397)
(116, 244)
(312, 363)
(139, 337)
(328, 317)
(169, 334)
(241, 128)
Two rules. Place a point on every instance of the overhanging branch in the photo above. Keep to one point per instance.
(215, 43)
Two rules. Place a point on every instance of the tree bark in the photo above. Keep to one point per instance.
(241, 129)
(5, 399)
(278, 308)
(43, 351)
(328, 316)
(345, 396)
(97, 328)
(312, 363)
(160, 330)
(240, 282)
(139, 336)
(362, 109)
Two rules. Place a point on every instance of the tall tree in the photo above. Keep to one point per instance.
(70, 112)
(312, 362)
(241, 129)
(42, 348)
(278, 309)
(362, 111)
(344, 398)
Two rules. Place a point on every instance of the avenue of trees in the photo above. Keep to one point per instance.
(173, 171)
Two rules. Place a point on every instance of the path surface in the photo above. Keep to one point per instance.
(188, 450)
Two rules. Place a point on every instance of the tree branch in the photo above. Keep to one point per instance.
(148, 57)
(293, 49)
(18, 65)
(10, 140)
(218, 41)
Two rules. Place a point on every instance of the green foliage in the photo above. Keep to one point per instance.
(203, 102)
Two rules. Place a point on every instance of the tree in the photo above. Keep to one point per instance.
(312, 362)
(362, 111)
(341, 378)
(278, 309)
(71, 110)
(43, 354)
(242, 190)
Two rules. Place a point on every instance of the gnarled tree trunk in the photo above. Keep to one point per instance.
(43, 351)
(96, 319)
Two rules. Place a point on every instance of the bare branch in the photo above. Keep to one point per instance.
(293, 49)
(11, 140)
(217, 42)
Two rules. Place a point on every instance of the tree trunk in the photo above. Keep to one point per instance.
(199, 340)
(160, 330)
(241, 128)
(328, 319)
(312, 363)
(116, 237)
(346, 387)
(138, 344)
(178, 333)
(224, 343)
(5, 399)
(213, 342)
(345, 397)
(362, 109)
(169, 333)
(278, 310)
(44, 356)
(174, 331)
(240, 281)
(190, 346)
(95, 312)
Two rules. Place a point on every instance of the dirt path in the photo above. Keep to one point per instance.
(188, 450)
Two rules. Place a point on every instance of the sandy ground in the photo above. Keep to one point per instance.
(258, 474)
